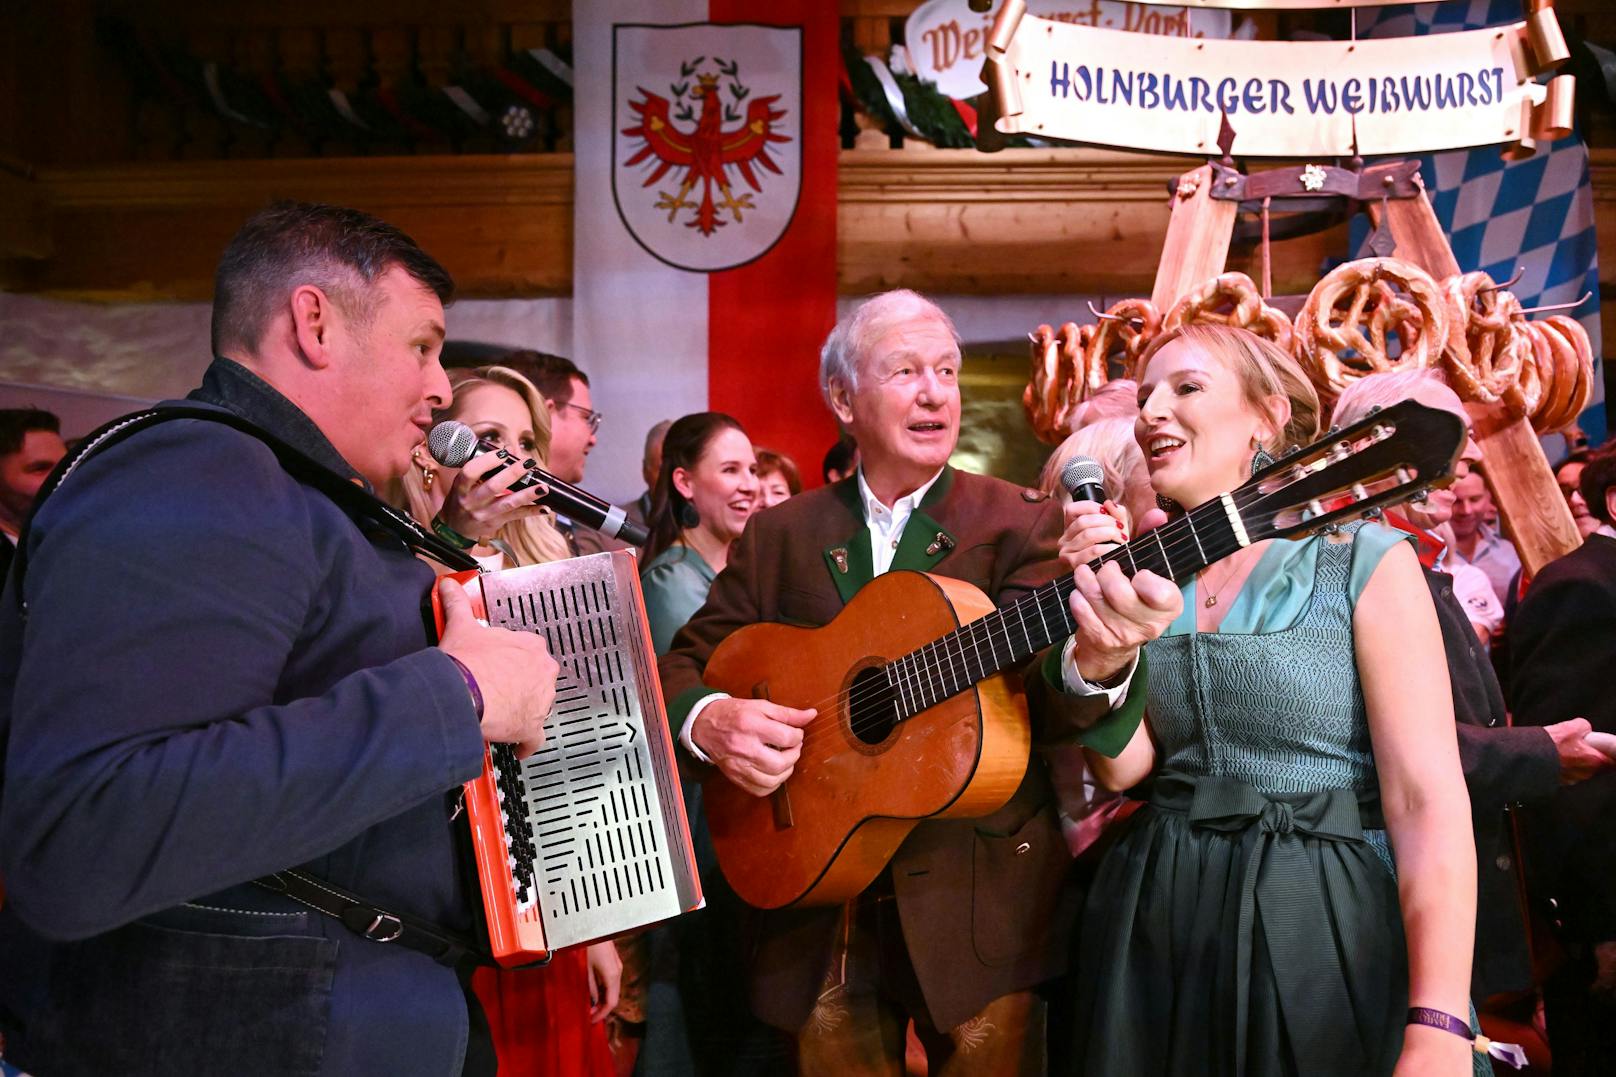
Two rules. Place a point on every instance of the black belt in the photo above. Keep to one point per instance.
(374, 923)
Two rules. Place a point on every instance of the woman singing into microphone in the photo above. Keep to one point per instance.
(1298, 896)
(545, 1021)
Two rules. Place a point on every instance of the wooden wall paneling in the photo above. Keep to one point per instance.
(1017, 222)
(561, 41)
(351, 14)
(254, 54)
(502, 225)
(205, 136)
(346, 58)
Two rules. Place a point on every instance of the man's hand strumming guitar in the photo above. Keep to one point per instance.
(754, 743)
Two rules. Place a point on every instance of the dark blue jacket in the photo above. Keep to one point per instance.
(219, 676)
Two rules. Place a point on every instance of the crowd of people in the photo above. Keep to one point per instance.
(1329, 805)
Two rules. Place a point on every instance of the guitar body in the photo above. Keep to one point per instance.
(863, 781)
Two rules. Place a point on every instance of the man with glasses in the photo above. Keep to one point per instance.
(573, 420)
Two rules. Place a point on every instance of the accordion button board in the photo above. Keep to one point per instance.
(587, 837)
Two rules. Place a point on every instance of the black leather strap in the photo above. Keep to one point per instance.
(374, 923)
(369, 512)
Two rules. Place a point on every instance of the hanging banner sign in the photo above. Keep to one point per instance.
(947, 41)
(1282, 98)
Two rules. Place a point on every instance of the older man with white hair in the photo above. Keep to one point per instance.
(970, 914)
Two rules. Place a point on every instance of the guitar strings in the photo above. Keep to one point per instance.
(933, 664)
(1038, 599)
(1039, 594)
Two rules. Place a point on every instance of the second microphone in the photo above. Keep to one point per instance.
(453, 443)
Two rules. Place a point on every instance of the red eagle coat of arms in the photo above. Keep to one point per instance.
(706, 176)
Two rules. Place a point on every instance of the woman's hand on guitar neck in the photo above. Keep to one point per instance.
(753, 742)
(1116, 615)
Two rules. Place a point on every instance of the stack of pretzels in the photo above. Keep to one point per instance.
(1366, 316)
(1539, 370)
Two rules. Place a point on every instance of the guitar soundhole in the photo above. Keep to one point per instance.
(871, 706)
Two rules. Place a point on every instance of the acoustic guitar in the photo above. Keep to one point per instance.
(916, 681)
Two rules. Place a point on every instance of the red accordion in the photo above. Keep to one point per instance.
(587, 838)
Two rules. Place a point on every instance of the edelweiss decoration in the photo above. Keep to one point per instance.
(706, 175)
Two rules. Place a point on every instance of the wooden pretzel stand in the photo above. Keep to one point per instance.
(1205, 205)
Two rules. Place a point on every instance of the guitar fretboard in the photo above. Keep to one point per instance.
(1010, 635)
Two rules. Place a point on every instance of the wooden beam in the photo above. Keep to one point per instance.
(956, 221)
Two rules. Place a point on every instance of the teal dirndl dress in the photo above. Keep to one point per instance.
(1247, 921)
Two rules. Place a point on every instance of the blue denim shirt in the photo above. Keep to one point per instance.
(219, 676)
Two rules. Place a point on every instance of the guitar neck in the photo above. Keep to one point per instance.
(1012, 634)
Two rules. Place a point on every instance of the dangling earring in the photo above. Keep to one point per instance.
(429, 475)
(1168, 505)
(1260, 458)
(687, 515)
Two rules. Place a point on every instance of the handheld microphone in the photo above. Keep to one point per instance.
(1084, 479)
(453, 443)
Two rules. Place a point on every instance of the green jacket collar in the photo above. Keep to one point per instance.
(924, 544)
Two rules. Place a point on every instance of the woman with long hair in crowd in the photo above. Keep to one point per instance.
(707, 489)
(1301, 885)
(546, 1021)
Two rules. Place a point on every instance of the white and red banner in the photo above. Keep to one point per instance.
(704, 257)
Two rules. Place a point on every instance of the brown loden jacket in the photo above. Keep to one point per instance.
(987, 905)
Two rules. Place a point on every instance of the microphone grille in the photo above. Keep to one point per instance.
(1081, 471)
(451, 443)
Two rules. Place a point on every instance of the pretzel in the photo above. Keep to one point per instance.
(1342, 330)
(1483, 354)
(1204, 303)
(1275, 325)
(1034, 399)
(1525, 397)
(1560, 376)
(1574, 332)
(1071, 342)
(1573, 372)
(1122, 335)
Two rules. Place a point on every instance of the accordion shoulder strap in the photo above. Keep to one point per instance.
(368, 511)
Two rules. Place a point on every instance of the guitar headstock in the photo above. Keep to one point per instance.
(1389, 456)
